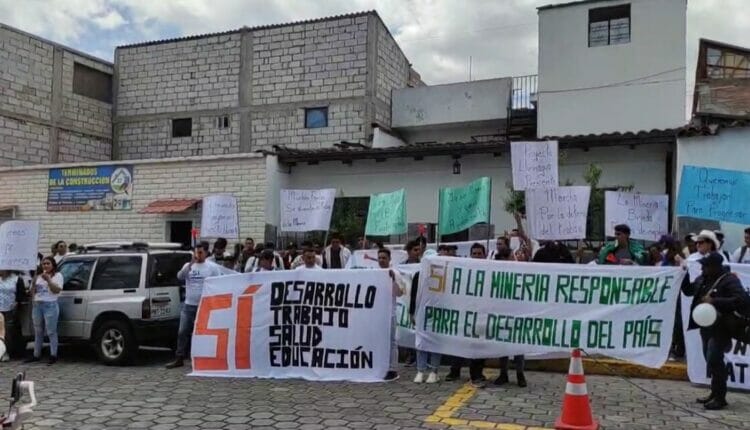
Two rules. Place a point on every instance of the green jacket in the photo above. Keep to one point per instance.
(637, 251)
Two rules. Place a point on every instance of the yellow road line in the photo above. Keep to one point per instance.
(444, 413)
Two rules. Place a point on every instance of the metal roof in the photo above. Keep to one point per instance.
(259, 27)
(572, 3)
(168, 206)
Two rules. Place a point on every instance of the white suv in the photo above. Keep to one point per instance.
(119, 296)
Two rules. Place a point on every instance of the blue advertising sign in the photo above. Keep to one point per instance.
(714, 194)
(94, 188)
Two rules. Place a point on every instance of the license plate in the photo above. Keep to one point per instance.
(160, 311)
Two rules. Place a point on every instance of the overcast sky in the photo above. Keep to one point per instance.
(437, 36)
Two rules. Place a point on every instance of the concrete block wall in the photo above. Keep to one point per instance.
(75, 147)
(243, 176)
(38, 107)
(392, 71)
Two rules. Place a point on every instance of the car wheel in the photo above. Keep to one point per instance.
(115, 343)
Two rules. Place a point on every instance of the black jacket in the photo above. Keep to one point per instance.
(728, 295)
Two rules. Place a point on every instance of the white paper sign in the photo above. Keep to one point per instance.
(557, 213)
(306, 210)
(220, 217)
(19, 245)
(324, 325)
(368, 259)
(500, 308)
(534, 165)
(645, 214)
(737, 359)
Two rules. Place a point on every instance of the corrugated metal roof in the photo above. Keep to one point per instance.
(259, 27)
(168, 206)
(572, 3)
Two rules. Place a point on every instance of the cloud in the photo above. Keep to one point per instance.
(438, 36)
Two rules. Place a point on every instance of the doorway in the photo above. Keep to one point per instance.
(181, 232)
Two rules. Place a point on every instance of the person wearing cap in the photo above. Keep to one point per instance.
(623, 251)
(741, 255)
(719, 287)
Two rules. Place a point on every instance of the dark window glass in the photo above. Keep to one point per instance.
(182, 127)
(92, 83)
(117, 273)
(316, 117)
(164, 268)
(76, 273)
(609, 25)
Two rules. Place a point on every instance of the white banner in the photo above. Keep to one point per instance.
(645, 214)
(368, 259)
(220, 217)
(19, 245)
(534, 165)
(306, 210)
(326, 325)
(557, 213)
(490, 309)
(737, 360)
(405, 335)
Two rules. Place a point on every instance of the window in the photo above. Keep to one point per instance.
(316, 117)
(182, 127)
(222, 122)
(609, 25)
(117, 273)
(76, 274)
(164, 268)
(92, 83)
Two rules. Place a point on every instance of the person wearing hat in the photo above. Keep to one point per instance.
(623, 251)
(706, 242)
(722, 289)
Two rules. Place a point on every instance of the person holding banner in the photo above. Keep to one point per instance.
(309, 260)
(298, 260)
(427, 362)
(623, 251)
(265, 262)
(720, 288)
(335, 256)
(384, 262)
(194, 274)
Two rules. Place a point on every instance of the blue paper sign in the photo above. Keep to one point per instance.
(90, 188)
(714, 194)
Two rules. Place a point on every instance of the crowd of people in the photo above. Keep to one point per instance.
(716, 285)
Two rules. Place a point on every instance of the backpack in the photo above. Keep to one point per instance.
(742, 254)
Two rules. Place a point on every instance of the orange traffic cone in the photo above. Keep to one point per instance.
(576, 410)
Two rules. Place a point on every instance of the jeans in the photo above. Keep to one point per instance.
(45, 316)
(714, 346)
(476, 368)
(427, 361)
(185, 332)
(518, 360)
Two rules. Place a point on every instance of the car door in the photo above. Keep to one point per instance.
(73, 299)
(163, 286)
(116, 286)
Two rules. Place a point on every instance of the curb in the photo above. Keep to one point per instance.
(676, 371)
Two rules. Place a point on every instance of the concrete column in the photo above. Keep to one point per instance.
(116, 126)
(245, 90)
(372, 70)
(56, 105)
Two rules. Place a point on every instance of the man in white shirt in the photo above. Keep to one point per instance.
(265, 261)
(335, 256)
(384, 262)
(61, 250)
(741, 255)
(194, 274)
(298, 260)
(309, 261)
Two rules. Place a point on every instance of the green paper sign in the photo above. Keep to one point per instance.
(460, 208)
(387, 214)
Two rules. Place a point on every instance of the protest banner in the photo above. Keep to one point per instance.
(386, 214)
(497, 308)
(19, 245)
(220, 217)
(311, 324)
(711, 194)
(460, 208)
(93, 188)
(646, 215)
(737, 359)
(557, 213)
(405, 334)
(368, 258)
(534, 165)
(306, 210)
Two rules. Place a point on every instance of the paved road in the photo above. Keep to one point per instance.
(80, 394)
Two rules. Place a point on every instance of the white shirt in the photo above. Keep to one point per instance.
(58, 257)
(8, 293)
(194, 278)
(298, 261)
(42, 292)
(745, 258)
(303, 267)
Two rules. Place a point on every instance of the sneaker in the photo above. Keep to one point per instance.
(521, 379)
(52, 360)
(178, 362)
(419, 378)
(392, 375)
(715, 405)
(432, 378)
(502, 379)
(31, 360)
(453, 376)
(479, 383)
